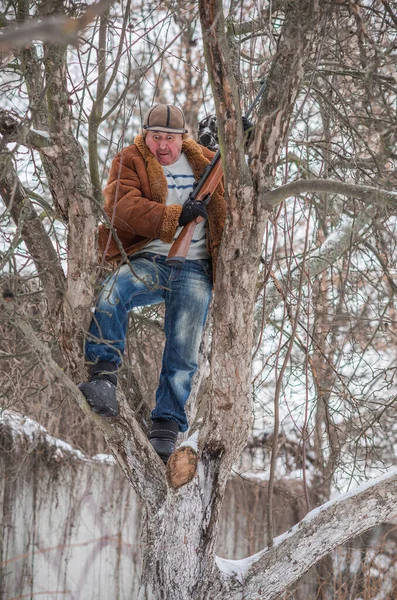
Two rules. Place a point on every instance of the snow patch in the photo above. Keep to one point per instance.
(374, 572)
(191, 442)
(21, 426)
(233, 568)
(355, 564)
(41, 133)
(383, 562)
(255, 476)
(107, 459)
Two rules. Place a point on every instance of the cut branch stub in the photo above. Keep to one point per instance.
(182, 467)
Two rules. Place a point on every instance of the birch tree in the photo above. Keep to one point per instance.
(346, 179)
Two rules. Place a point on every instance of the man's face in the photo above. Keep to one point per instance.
(166, 147)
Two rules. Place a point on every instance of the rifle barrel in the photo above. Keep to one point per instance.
(206, 174)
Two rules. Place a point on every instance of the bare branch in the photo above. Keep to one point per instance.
(283, 83)
(336, 244)
(51, 29)
(383, 265)
(366, 193)
(269, 572)
(33, 233)
(142, 467)
(256, 25)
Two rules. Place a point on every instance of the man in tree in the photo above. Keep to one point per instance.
(147, 200)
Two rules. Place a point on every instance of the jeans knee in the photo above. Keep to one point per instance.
(110, 296)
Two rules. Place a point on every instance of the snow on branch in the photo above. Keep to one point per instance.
(15, 130)
(333, 247)
(24, 429)
(366, 193)
(267, 573)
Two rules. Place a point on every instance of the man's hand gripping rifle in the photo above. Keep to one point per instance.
(206, 186)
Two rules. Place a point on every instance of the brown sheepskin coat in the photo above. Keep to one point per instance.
(135, 198)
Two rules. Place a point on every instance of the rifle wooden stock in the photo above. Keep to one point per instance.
(180, 247)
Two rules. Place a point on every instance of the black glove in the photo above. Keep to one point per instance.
(247, 125)
(248, 128)
(192, 209)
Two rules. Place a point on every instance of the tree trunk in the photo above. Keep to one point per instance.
(178, 541)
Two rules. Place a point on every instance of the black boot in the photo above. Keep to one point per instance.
(100, 391)
(163, 436)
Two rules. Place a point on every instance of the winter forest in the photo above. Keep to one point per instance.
(294, 400)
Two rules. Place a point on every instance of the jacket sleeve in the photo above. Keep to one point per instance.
(130, 212)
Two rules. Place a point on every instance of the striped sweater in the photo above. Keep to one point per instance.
(180, 180)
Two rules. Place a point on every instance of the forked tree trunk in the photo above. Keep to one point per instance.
(179, 539)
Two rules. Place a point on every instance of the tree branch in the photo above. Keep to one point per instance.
(33, 233)
(50, 29)
(15, 131)
(269, 572)
(126, 440)
(336, 244)
(366, 193)
(103, 89)
(71, 189)
(283, 83)
(257, 25)
(383, 264)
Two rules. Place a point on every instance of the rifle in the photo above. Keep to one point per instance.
(207, 184)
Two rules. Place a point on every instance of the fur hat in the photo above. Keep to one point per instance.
(166, 118)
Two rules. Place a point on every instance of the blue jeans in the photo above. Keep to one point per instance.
(186, 291)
